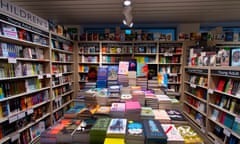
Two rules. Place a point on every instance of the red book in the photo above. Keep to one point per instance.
(222, 117)
(221, 84)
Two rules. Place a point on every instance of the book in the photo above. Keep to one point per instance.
(10, 31)
(235, 57)
(152, 71)
(215, 115)
(221, 84)
(228, 121)
(123, 67)
(112, 72)
(92, 73)
(172, 134)
(117, 128)
(114, 141)
(102, 73)
(176, 116)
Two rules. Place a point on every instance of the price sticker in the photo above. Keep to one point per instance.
(48, 75)
(12, 60)
(40, 76)
(29, 111)
(15, 137)
(210, 91)
(193, 85)
(13, 118)
(227, 132)
(21, 115)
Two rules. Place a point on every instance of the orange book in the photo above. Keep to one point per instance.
(104, 49)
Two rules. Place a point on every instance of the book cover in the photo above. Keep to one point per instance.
(235, 57)
(112, 72)
(102, 73)
(221, 84)
(132, 65)
(114, 141)
(117, 126)
(175, 115)
(228, 121)
(236, 126)
(92, 73)
(215, 114)
(172, 133)
(123, 67)
(142, 69)
(147, 111)
(154, 131)
(104, 110)
(152, 71)
(10, 31)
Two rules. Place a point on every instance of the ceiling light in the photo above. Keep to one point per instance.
(131, 24)
(124, 22)
(127, 2)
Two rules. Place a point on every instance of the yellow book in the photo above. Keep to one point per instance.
(114, 141)
(1, 114)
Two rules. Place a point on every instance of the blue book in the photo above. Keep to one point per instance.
(228, 121)
(102, 73)
(236, 127)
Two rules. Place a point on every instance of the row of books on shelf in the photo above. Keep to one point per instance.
(91, 59)
(12, 88)
(61, 80)
(117, 49)
(145, 59)
(21, 34)
(61, 57)
(197, 116)
(59, 101)
(145, 49)
(170, 49)
(18, 51)
(198, 92)
(175, 59)
(61, 68)
(88, 49)
(196, 104)
(223, 57)
(229, 86)
(227, 120)
(61, 90)
(20, 69)
(22, 104)
(198, 80)
(62, 45)
(114, 59)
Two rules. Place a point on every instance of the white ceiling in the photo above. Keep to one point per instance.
(144, 11)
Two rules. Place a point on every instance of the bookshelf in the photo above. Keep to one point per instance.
(217, 87)
(24, 81)
(62, 70)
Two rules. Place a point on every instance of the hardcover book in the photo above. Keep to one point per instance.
(123, 67)
(102, 73)
(175, 115)
(117, 128)
(235, 57)
(112, 72)
(172, 134)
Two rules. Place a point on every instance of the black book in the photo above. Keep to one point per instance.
(152, 71)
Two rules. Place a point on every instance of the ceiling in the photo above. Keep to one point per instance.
(144, 11)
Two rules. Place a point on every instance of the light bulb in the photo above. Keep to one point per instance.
(127, 2)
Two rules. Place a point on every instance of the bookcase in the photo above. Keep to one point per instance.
(211, 97)
(25, 81)
(62, 70)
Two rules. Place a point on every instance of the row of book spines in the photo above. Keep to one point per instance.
(61, 90)
(90, 59)
(62, 45)
(17, 51)
(173, 49)
(169, 59)
(199, 80)
(114, 58)
(8, 89)
(20, 69)
(61, 68)
(228, 86)
(61, 57)
(197, 116)
(228, 103)
(197, 104)
(198, 92)
(21, 34)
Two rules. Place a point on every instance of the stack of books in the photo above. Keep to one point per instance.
(162, 116)
(176, 116)
(126, 97)
(117, 128)
(90, 85)
(88, 111)
(90, 95)
(138, 95)
(135, 133)
(147, 113)
(81, 134)
(164, 101)
(142, 82)
(72, 112)
(132, 78)
(114, 93)
(123, 80)
(153, 83)
(99, 130)
(102, 96)
(117, 110)
(172, 133)
(151, 100)
(133, 110)
(154, 132)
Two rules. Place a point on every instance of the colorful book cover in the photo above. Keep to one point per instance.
(228, 121)
(123, 67)
(117, 126)
(114, 141)
(175, 115)
(102, 73)
(135, 128)
(172, 133)
(147, 111)
(103, 110)
(92, 73)
(152, 71)
(132, 105)
(132, 65)
(235, 57)
(142, 69)
(112, 72)
(236, 126)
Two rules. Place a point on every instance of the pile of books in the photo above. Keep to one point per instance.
(102, 96)
(117, 128)
(88, 111)
(123, 80)
(138, 95)
(154, 132)
(173, 135)
(152, 84)
(164, 101)
(132, 78)
(133, 110)
(162, 116)
(99, 130)
(102, 111)
(176, 116)
(147, 113)
(135, 133)
(114, 93)
(142, 82)
(72, 112)
(117, 110)
(151, 100)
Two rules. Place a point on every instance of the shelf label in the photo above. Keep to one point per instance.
(29, 111)
(21, 115)
(227, 132)
(203, 71)
(193, 85)
(13, 118)
(12, 60)
(172, 74)
(15, 137)
(210, 91)
(40, 76)
(226, 72)
(48, 75)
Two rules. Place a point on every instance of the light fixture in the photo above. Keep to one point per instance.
(131, 24)
(124, 22)
(127, 2)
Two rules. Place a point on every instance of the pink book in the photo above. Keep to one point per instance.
(118, 107)
(132, 105)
